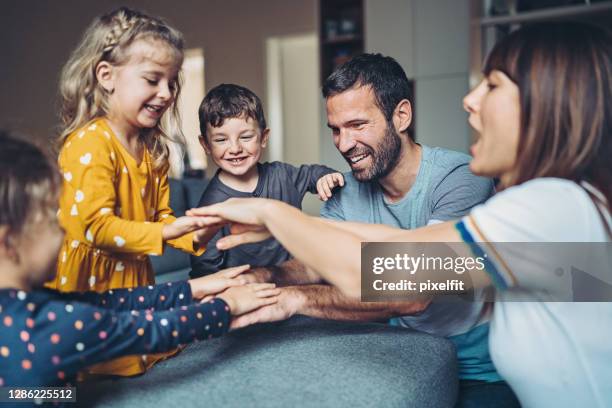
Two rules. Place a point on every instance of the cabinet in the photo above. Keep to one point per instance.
(493, 19)
(341, 33)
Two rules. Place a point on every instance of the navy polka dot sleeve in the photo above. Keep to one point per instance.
(157, 297)
(48, 337)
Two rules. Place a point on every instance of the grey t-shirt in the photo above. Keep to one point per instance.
(445, 189)
(280, 181)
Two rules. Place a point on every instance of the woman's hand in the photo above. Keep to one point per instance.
(187, 224)
(205, 287)
(237, 210)
(247, 216)
(244, 299)
(243, 234)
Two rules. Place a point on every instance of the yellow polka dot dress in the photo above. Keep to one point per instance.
(113, 210)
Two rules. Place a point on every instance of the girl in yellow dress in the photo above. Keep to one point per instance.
(116, 88)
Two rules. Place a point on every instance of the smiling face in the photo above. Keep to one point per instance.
(494, 108)
(143, 88)
(236, 146)
(361, 133)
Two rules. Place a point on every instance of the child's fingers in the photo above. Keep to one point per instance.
(261, 286)
(331, 184)
(261, 302)
(210, 210)
(326, 189)
(207, 298)
(339, 178)
(212, 220)
(236, 270)
(320, 190)
(234, 282)
(268, 293)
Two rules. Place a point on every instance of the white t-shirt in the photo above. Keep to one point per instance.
(553, 354)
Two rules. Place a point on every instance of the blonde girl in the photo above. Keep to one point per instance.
(47, 337)
(117, 88)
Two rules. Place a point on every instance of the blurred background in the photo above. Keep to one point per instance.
(282, 50)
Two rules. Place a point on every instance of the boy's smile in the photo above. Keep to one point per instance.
(236, 147)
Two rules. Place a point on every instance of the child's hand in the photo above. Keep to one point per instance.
(217, 282)
(202, 236)
(244, 299)
(185, 225)
(326, 184)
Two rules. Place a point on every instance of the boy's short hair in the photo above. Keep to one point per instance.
(230, 101)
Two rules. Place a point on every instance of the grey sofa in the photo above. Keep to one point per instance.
(303, 362)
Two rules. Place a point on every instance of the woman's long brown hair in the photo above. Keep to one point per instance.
(564, 75)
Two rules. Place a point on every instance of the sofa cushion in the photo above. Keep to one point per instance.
(303, 362)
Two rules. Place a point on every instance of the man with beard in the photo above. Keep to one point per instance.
(401, 183)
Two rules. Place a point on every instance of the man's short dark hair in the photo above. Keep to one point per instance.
(386, 77)
(228, 101)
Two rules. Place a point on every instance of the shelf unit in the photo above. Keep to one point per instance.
(341, 33)
(493, 19)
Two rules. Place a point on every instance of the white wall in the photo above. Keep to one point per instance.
(430, 39)
(293, 101)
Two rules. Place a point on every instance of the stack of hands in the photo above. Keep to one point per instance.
(205, 222)
(250, 302)
(234, 288)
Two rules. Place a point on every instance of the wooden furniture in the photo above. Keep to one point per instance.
(341, 32)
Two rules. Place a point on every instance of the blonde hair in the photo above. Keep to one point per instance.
(108, 39)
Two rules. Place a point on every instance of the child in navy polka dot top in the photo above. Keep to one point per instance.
(47, 337)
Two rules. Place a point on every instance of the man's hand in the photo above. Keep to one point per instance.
(327, 183)
(288, 304)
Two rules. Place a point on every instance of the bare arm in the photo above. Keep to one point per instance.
(332, 252)
(291, 272)
(367, 232)
(327, 302)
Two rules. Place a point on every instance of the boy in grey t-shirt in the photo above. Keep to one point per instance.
(234, 134)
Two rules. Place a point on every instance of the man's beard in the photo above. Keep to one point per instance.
(383, 160)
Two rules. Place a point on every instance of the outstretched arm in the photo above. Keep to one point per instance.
(327, 302)
(291, 272)
(332, 252)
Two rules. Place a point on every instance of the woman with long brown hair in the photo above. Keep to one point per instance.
(544, 116)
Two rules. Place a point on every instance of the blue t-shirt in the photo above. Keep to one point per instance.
(445, 189)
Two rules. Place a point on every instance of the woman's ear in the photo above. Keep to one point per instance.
(105, 76)
(402, 117)
(265, 135)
